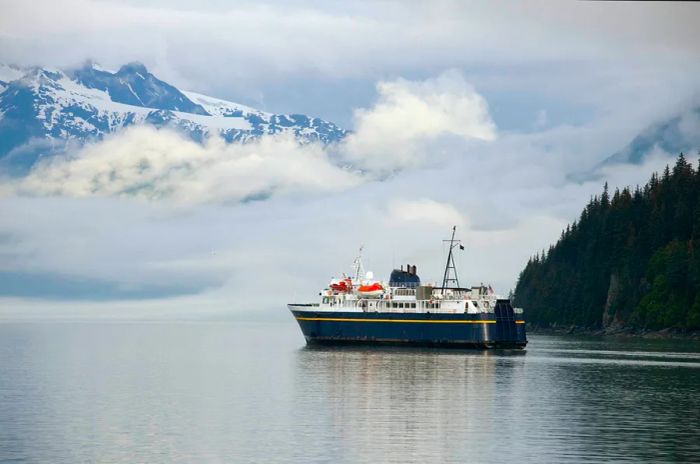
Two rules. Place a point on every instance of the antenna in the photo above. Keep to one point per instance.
(450, 266)
(357, 265)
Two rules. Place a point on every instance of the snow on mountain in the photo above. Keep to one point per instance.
(44, 110)
(218, 107)
(134, 85)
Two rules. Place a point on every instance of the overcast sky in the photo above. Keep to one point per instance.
(324, 58)
(463, 113)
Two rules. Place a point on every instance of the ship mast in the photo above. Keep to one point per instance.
(358, 267)
(450, 265)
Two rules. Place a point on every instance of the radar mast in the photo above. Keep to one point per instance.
(357, 265)
(450, 276)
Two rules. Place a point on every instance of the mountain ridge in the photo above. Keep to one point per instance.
(679, 133)
(43, 111)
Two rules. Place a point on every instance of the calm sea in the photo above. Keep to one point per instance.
(240, 392)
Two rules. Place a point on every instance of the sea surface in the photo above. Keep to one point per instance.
(238, 392)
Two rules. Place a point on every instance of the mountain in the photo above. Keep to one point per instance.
(631, 261)
(44, 111)
(134, 85)
(680, 133)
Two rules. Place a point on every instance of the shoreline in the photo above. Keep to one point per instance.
(626, 332)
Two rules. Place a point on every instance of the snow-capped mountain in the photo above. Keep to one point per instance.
(44, 110)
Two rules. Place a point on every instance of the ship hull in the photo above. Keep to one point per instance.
(496, 330)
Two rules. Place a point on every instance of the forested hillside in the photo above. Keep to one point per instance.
(632, 260)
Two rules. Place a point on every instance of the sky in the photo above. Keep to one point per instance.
(468, 114)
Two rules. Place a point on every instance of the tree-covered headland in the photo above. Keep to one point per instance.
(631, 260)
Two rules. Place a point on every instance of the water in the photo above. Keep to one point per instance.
(248, 392)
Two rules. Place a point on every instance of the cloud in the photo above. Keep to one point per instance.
(79, 218)
(410, 115)
(282, 37)
(149, 163)
(258, 256)
(411, 124)
(588, 53)
(423, 210)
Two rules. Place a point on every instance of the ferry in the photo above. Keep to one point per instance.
(358, 309)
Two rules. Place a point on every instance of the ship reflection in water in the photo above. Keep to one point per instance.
(553, 404)
(402, 405)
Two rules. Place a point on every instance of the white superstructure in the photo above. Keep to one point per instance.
(402, 294)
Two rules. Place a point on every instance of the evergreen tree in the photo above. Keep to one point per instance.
(633, 258)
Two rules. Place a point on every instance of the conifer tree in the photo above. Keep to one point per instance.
(633, 258)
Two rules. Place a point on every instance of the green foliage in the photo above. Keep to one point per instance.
(633, 256)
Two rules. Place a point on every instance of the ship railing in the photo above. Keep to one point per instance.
(419, 310)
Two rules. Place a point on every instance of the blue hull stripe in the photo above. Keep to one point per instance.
(425, 329)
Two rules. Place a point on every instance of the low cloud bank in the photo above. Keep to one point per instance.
(412, 123)
(259, 256)
(509, 195)
(156, 164)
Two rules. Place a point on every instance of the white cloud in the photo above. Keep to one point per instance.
(149, 163)
(409, 115)
(509, 198)
(322, 58)
(300, 38)
(259, 256)
(421, 211)
(412, 123)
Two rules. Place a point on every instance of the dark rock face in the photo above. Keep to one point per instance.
(134, 85)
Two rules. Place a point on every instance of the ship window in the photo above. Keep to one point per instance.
(401, 305)
(413, 305)
(325, 300)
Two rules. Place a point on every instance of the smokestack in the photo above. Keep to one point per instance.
(413, 269)
(408, 268)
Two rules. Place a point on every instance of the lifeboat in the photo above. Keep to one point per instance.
(371, 289)
(341, 285)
